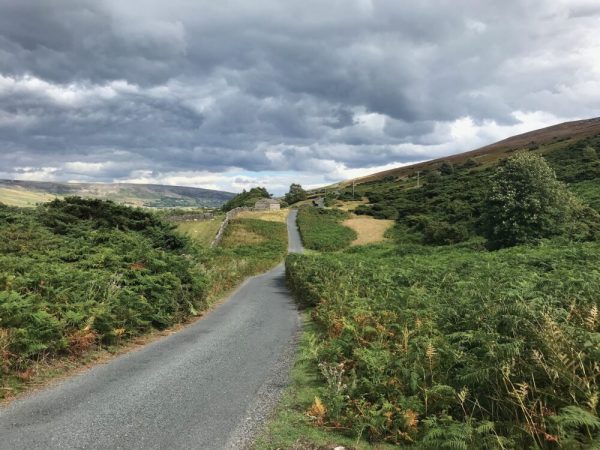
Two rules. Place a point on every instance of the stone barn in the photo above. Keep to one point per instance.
(267, 204)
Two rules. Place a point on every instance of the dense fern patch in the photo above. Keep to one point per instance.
(81, 274)
(450, 345)
(321, 229)
(77, 272)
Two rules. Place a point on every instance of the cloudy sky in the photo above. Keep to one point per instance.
(232, 93)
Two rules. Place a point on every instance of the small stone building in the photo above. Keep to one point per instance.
(267, 204)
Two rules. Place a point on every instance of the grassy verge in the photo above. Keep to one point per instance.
(322, 230)
(455, 348)
(291, 426)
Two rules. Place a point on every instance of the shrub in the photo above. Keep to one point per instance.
(525, 203)
(75, 269)
(447, 168)
(444, 233)
(295, 194)
(246, 198)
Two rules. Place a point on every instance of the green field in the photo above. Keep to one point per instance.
(202, 232)
(29, 193)
(23, 198)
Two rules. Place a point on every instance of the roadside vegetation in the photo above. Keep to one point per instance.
(322, 229)
(477, 326)
(81, 275)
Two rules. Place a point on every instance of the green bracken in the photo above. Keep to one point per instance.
(77, 275)
(321, 229)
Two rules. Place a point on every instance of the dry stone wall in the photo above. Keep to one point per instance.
(229, 216)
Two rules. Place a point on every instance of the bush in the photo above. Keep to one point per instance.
(246, 198)
(296, 194)
(444, 233)
(525, 203)
(447, 168)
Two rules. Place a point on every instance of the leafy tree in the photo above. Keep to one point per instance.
(525, 203)
(433, 177)
(246, 198)
(296, 194)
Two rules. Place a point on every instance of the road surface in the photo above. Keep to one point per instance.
(209, 386)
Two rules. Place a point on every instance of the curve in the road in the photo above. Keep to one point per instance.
(206, 387)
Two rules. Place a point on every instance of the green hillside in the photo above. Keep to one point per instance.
(445, 202)
(477, 326)
(30, 193)
(546, 139)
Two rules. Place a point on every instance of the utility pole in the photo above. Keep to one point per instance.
(353, 184)
(418, 177)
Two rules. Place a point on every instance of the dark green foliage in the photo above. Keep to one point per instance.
(470, 163)
(590, 154)
(575, 162)
(447, 168)
(444, 233)
(296, 194)
(456, 200)
(525, 203)
(246, 198)
(452, 348)
(321, 229)
(74, 273)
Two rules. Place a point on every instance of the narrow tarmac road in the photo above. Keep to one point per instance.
(209, 386)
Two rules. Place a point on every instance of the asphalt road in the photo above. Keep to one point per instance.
(209, 386)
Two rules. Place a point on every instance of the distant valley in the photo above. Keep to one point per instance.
(30, 193)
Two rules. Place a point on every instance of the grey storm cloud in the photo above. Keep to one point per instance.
(120, 86)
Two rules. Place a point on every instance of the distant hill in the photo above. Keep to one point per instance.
(554, 136)
(29, 193)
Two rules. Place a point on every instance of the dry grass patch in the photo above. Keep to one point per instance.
(368, 229)
(269, 216)
(351, 205)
